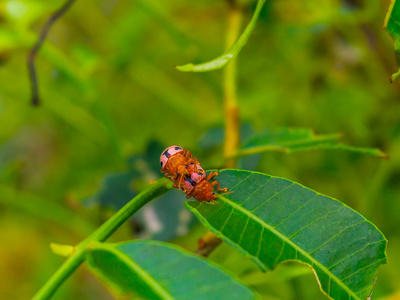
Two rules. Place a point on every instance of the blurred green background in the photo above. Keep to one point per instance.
(109, 91)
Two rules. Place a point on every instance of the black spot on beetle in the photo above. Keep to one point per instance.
(191, 181)
(161, 164)
(178, 148)
(166, 153)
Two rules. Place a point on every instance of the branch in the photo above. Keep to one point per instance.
(32, 54)
(102, 233)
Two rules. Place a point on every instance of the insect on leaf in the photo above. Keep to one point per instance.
(274, 220)
(155, 270)
(164, 218)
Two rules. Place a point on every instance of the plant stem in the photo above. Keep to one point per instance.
(210, 241)
(42, 37)
(231, 106)
(159, 187)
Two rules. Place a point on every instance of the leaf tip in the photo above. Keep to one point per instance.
(185, 68)
(62, 250)
(394, 76)
(383, 155)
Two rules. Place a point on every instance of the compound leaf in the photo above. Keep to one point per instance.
(274, 220)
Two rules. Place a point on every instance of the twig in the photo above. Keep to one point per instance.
(32, 54)
(207, 243)
(101, 234)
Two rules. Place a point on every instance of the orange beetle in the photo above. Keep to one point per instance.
(174, 163)
(186, 173)
(204, 190)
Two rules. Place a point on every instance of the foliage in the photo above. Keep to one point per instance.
(163, 271)
(274, 220)
(111, 99)
(297, 139)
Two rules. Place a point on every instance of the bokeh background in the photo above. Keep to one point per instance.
(111, 100)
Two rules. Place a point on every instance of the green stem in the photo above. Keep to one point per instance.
(209, 241)
(231, 105)
(100, 235)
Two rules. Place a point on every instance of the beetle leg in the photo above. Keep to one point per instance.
(218, 186)
(180, 182)
(174, 177)
(211, 175)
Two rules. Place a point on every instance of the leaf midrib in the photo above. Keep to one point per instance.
(297, 142)
(295, 246)
(146, 277)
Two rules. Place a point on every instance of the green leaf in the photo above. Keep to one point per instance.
(222, 60)
(392, 25)
(274, 220)
(297, 139)
(156, 270)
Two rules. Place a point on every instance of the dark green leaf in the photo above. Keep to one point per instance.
(297, 139)
(155, 270)
(275, 220)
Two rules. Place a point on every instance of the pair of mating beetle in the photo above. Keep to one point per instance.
(186, 173)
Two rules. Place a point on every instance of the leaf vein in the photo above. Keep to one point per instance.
(272, 196)
(256, 190)
(227, 219)
(240, 181)
(281, 223)
(354, 273)
(319, 218)
(352, 254)
(280, 253)
(259, 242)
(337, 234)
(288, 241)
(244, 229)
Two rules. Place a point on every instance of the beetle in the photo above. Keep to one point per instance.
(174, 163)
(204, 190)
